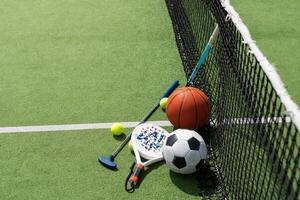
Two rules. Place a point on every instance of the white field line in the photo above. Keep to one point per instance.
(263, 120)
(73, 127)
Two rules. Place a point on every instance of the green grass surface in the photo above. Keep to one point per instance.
(63, 165)
(275, 27)
(69, 61)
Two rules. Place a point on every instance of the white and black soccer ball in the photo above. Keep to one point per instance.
(184, 151)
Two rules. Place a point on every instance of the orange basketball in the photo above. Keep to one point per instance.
(188, 108)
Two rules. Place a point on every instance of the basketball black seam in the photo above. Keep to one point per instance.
(196, 108)
(204, 99)
(179, 114)
(173, 100)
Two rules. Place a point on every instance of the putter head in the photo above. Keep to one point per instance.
(107, 161)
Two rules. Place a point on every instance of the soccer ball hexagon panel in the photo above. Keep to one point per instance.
(184, 150)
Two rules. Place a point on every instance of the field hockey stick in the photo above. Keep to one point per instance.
(108, 161)
(147, 142)
(203, 56)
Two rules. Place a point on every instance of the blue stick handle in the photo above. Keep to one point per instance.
(200, 62)
(174, 85)
(204, 54)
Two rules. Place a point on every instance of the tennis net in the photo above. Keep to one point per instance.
(253, 138)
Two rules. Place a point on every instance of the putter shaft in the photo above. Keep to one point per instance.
(124, 142)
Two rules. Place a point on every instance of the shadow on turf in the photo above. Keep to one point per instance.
(202, 183)
(120, 137)
(147, 171)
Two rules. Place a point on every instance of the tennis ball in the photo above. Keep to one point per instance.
(130, 145)
(163, 103)
(117, 129)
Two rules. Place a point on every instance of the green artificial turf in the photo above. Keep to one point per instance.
(70, 61)
(275, 27)
(63, 165)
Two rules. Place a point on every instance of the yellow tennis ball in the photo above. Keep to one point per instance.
(130, 145)
(163, 103)
(117, 129)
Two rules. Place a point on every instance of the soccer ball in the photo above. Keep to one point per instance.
(184, 151)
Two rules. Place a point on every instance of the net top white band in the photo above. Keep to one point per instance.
(291, 107)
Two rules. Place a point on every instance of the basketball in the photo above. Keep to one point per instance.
(188, 108)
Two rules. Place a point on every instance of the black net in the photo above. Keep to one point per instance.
(254, 146)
